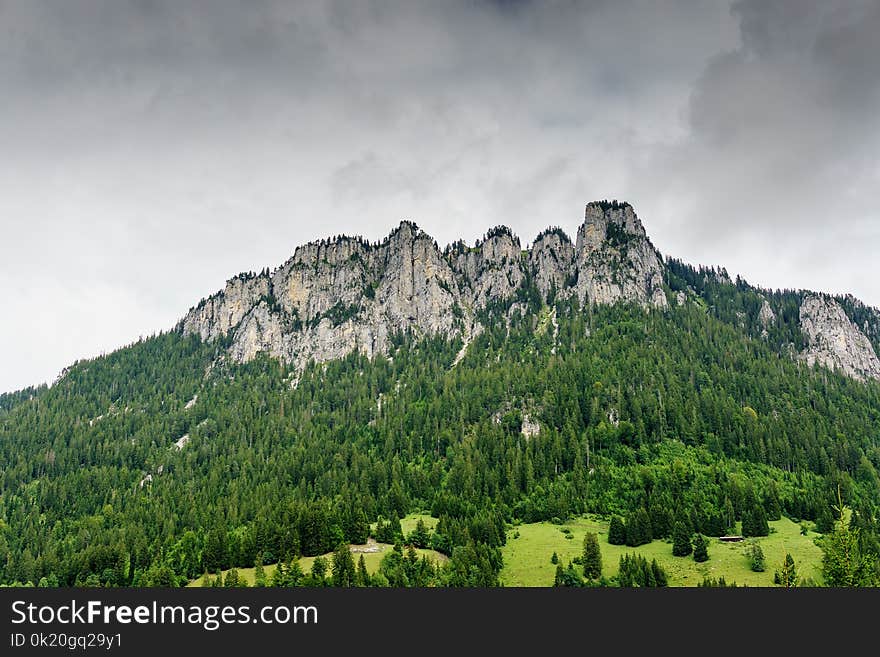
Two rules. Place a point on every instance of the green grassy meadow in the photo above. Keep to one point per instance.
(527, 558)
(371, 559)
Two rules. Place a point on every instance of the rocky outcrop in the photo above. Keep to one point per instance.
(834, 341)
(766, 315)
(492, 270)
(552, 262)
(615, 259)
(223, 311)
(346, 294)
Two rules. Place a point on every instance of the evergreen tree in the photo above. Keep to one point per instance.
(755, 522)
(681, 539)
(638, 528)
(701, 549)
(318, 573)
(232, 580)
(756, 558)
(787, 576)
(617, 531)
(343, 567)
(362, 576)
(592, 557)
(559, 577)
(294, 575)
(278, 575)
(843, 560)
(259, 572)
(419, 536)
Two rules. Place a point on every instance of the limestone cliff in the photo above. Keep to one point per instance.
(615, 259)
(834, 341)
(345, 294)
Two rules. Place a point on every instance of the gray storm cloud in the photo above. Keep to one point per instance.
(152, 149)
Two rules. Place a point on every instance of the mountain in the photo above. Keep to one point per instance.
(345, 294)
(315, 404)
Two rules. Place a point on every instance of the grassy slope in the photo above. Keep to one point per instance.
(371, 559)
(527, 558)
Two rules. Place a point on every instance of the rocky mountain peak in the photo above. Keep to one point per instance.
(337, 295)
(552, 261)
(615, 259)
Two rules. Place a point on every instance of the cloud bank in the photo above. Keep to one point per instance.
(152, 149)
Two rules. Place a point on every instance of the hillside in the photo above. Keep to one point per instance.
(491, 385)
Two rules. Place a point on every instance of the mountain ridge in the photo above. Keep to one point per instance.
(334, 296)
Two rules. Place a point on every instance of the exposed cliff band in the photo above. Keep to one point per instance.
(342, 295)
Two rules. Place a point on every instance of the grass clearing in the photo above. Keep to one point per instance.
(527, 558)
(408, 523)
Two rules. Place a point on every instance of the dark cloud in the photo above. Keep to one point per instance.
(153, 148)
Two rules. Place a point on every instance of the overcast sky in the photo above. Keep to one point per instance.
(150, 150)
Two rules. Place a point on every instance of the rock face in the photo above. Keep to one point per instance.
(834, 341)
(615, 259)
(552, 261)
(346, 294)
(223, 311)
(766, 315)
(492, 270)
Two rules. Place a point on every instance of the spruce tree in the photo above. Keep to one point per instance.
(787, 576)
(319, 571)
(592, 558)
(294, 575)
(362, 577)
(756, 558)
(843, 560)
(681, 540)
(638, 528)
(617, 531)
(559, 579)
(343, 566)
(701, 550)
(232, 579)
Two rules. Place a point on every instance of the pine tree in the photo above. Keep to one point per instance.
(701, 550)
(617, 531)
(756, 558)
(278, 575)
(559, 579)
(343, 566)
(362, 577)
(681, 540)
(232, 580)
(638, 528)
(659, 574)
(554, 558)
(259, 571)
(319, 571)
(843, 561)
(755, 522)
(295, 574)
(419, 536)
(787, 576)
(592, 558)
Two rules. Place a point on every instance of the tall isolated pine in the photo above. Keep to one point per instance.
(592, 559)
(701, 549)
